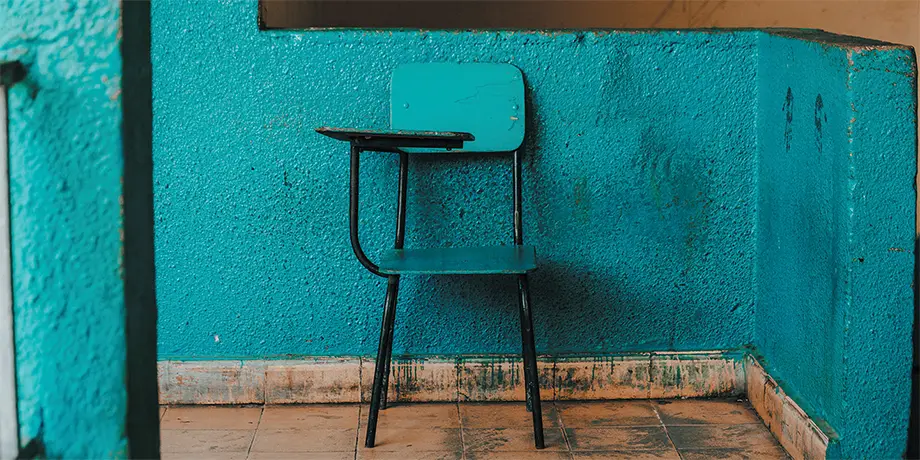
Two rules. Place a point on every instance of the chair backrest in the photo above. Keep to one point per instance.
(486, 100)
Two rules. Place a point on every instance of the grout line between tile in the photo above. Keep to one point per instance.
(460, 423)
(666, 432)
(565, 435)
(715, 424)
(358, 431)
(255, 432)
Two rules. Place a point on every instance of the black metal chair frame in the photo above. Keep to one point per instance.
(392, 142)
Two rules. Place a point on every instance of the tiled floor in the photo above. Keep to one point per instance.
(687, 429)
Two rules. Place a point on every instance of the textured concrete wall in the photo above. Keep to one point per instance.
(649, 158)
(639, 191)
(835, 232)
(802, 216)
(66, 164)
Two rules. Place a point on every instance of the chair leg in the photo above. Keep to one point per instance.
(528, 400)
(386, 328)
(386, 371)
(532, 381)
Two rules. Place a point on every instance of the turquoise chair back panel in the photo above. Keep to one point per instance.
(486, 100)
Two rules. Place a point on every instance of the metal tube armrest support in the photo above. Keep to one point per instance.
(353, 213)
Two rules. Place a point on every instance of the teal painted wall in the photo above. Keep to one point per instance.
(66, 164)
(802, 218)
(685, 190)
(641, 207)
(837, 124)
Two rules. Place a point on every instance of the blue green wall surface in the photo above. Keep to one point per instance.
(641, 207)
(686, 190)
(837, 164)
(65, 173)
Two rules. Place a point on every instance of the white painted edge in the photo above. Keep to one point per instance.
(9, 417)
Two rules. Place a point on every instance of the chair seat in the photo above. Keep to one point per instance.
(459, 261)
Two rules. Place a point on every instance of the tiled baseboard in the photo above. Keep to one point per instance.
(797, 433)
(465, 378)
(500, 378)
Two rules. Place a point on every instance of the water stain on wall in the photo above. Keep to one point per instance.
(680, 186)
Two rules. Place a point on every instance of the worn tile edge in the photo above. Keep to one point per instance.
(812, 446)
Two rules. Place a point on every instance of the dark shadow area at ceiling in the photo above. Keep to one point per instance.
(469, 14)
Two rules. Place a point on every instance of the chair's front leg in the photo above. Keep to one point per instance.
(386, 371)
(389, 316)
(532, 381)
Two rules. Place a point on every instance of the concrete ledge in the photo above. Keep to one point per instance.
(464, 378)
(796, 431)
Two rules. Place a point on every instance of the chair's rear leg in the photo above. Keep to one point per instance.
(528, 400)
(530, 360)
(389, 316)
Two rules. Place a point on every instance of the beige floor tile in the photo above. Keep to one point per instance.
(390, 439)
(203, 456)
(373, 454)
(607, 413)
(505, 415)
(211, 418)
(618, 438)
(309, 417)
(302, 456)
(701, 429)
(197, 441)
(706, 411)
(753, 438)
(416, 415)
(733, 454)
(510, 439)
(307, 440)
(661, 454)
(532, 455)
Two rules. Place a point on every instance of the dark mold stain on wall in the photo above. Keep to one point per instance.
(820, 119)
(788, 107)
